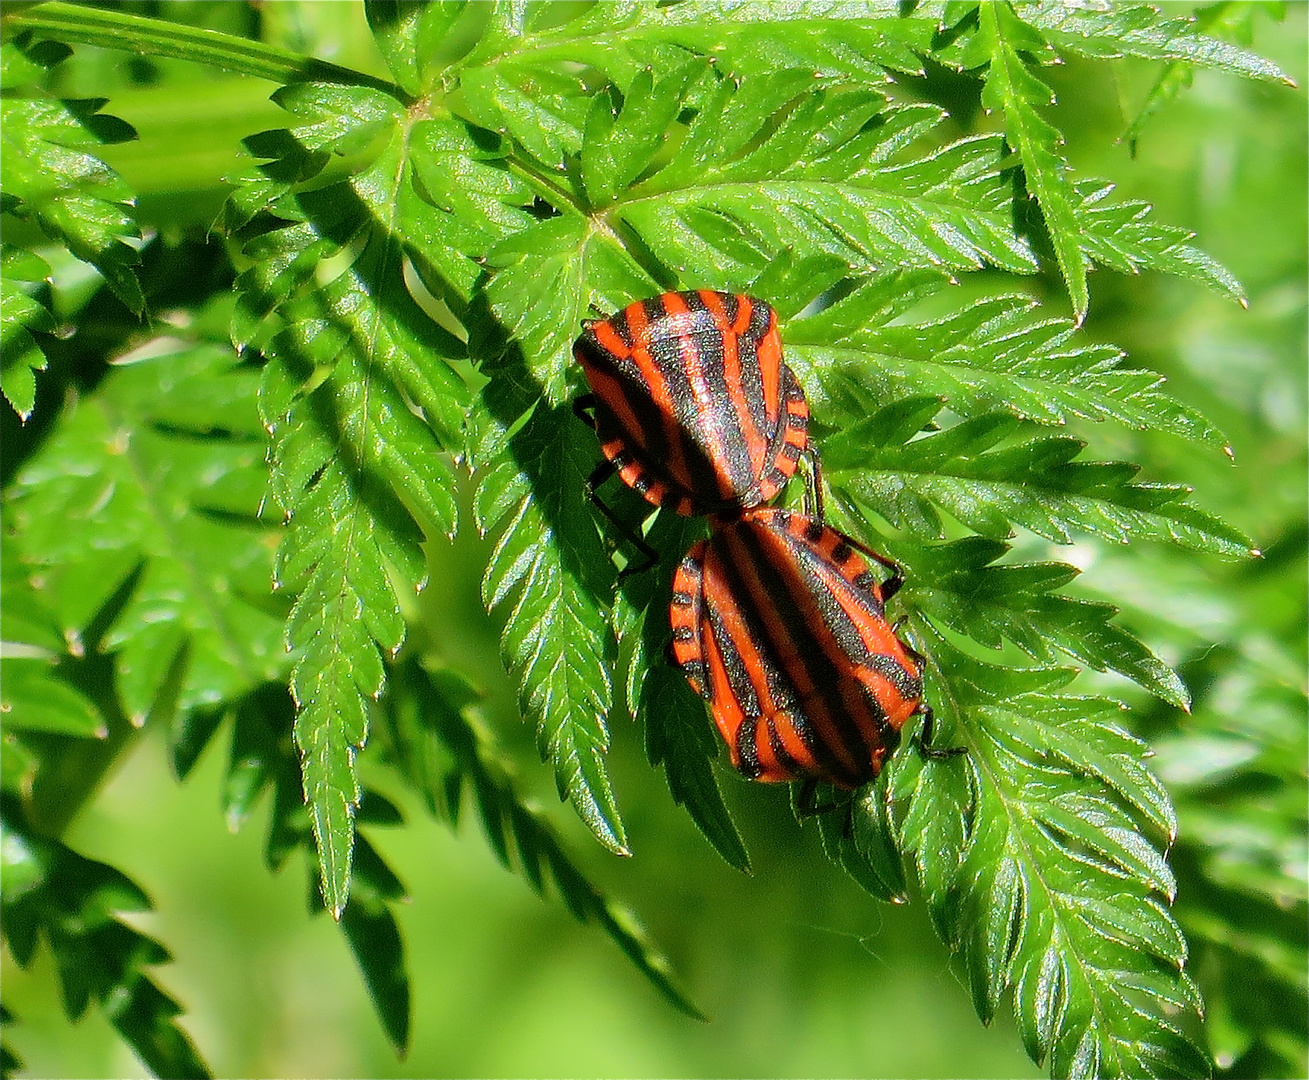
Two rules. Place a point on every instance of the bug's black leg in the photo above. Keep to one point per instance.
(914, 655)
(923, 740)
(603, 472)
(584, 409)
(892, 584)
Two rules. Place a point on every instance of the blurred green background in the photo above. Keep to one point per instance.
(800, 972)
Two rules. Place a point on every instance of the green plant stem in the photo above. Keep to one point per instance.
(154, 37)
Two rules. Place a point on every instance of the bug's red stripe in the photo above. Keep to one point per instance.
(739, 388)
(799, 615)
(789, 440)
(665, 415)
(790, 641)
(685, 616)
(785, 638)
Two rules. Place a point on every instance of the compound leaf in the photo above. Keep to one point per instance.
(1048, 883)
(72, 901)
(992, 354)
(1011, 87)
(50, 175)
(556, 638)
(357, 468)
(1035, 484)
(138, 490)
(443, 748)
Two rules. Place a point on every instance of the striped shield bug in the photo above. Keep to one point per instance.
(692, 403)
(780, 624)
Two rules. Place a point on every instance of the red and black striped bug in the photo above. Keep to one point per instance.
(692, 403)
(779, 622)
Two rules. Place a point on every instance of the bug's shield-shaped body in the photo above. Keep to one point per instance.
(693, 404)
(778, 622)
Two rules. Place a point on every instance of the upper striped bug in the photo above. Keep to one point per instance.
(779, 622)
(692, 403)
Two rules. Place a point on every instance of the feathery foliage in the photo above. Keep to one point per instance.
(410, 259)
(50, 180)
(53, 893)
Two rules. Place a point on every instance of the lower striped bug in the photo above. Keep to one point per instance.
(780, 624)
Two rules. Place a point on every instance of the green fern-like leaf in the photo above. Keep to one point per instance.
(865, 353)
(832, 40)
(1039, 854)
(1235, 768)
(779, 166)
(10, 1062)
(1231, 24)
(371, 930)
(355, 467)
(152, 486)
(262, 757)
(1137, 30)
(1012, 88)
(45, 705)
(556, 638)
(34, 699)
(1119, 235)
(49, 175)
(442, 748)
(21, 314)
(959, 585)
(1036, 484)
(533, 163)
(1081, 226)
(53, 892)
(551, 276)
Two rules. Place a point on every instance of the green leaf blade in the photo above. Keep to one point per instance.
(1013, 89)
(1056, 891)
(556, 639)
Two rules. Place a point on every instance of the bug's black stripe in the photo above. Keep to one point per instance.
(650, 439)
(844, 627)
(747, 753)
(738, 678)
(798, 723)
(840, 649)
(696, 671)
(745, 424)
(693, 356)
(751, 388)
(908, 685)
(766, 595)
